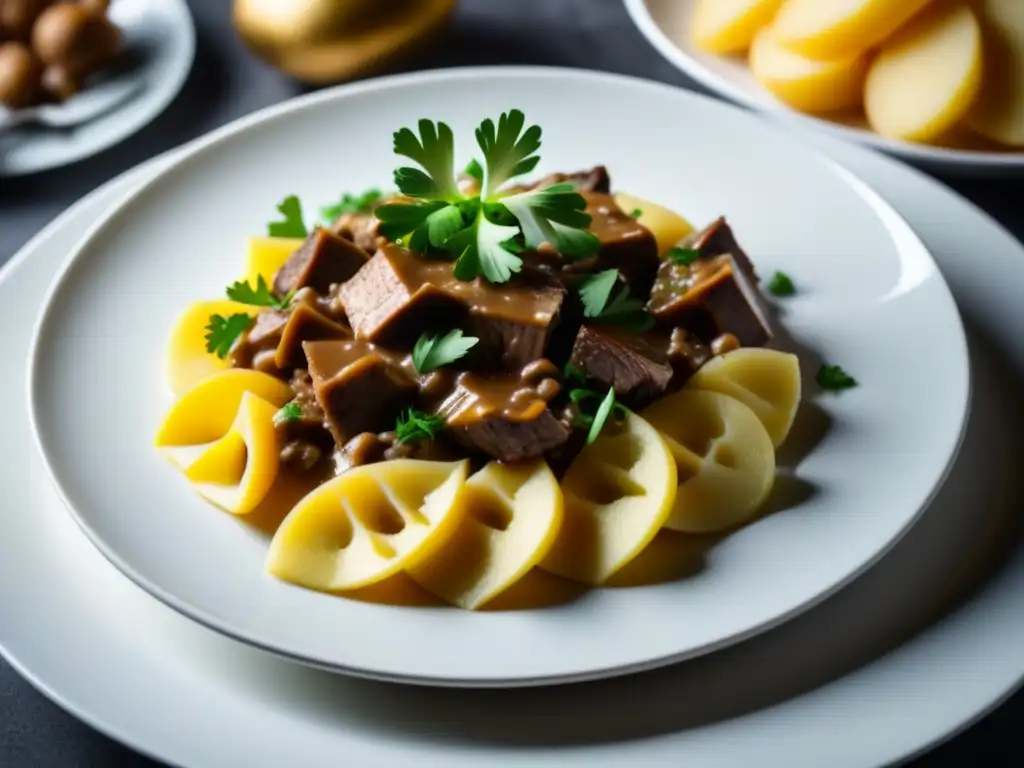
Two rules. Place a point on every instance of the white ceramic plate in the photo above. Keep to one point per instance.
(97, 645)
(666, 24)
(160, 36)
(872, 299)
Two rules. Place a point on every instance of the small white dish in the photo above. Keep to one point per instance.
(160, 40)
(666, 25)
(97, 645)
(872, 300)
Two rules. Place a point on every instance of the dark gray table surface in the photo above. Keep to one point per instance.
(227, 82)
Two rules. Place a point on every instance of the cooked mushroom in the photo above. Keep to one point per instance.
(18, 16)
(73, 38)
(20, 73)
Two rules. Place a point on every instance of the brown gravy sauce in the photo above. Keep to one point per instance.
(513, 397)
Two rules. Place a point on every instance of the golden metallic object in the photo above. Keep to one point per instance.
(326, 41)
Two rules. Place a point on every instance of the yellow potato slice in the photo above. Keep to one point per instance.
(837, 29)
(765, 380)
(668, 227)
(926, 77)
(206, 411)
(369, 524)
(237, 471)
(724, 459)
(805, 84)
(998, 112)
(512, 516)
(267, 255)
(617, 493)
(186, 361)
(729, 26)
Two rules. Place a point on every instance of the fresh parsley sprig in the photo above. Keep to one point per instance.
(414, 426)
(221, 332)
(583, 399)
(292, 225)
(291, 411)
(622, 309)
(781, 285)
(482, 233)
(260, 296)
(683, 255)
(361, 203)
(834, 378)
(431, 352)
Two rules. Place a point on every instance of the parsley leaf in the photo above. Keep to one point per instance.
(481, 251)
(420, 225)
(627, 311)
(260, 296)
(414, 426)
(781, 284)
(636, 213)
(582, 398)
(222, 332)
(554, 215)
(434, 150)
(431, 352)
(595, 290)
(292, 225)
(508, 150)
(834, 378)
(603, 412)
(289, 412)
(362, 203)
(474, 169)
(683, 255)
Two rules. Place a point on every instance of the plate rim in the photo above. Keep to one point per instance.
(643, 19)
(942, 627)
(310, 100)
(185, 28)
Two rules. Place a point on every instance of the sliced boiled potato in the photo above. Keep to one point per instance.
(206, 412)
(729, 26)
(805, 84)
(617, 493)
(998, 112)
(837, 29)
(267, 255)
(369, 524)
(724, 459)
(186, 360)
(512, 516)
(237, 471)
(926, 77)
(667, 226)
(766, 380)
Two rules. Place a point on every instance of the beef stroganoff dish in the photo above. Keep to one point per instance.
(475, 376)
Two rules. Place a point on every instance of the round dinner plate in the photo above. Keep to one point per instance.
(871, 299)
(820, 690)
(160, 42)
(666, 25)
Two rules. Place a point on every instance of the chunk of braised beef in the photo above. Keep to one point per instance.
(710, 297)
(636, 368)
(625, 244)
(514, 323)
(324, 258)
(360, 387)
(716, 239)
(594, 179)
(274, 343)
(506, 415)
(363, 229)
(391, 299)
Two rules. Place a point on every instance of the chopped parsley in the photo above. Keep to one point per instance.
(289, 412)
(636, 213)
(584, 399)
(431, 352)
(683, 255)
(292, 224)
(221, 332)
(260, 296)
(361, 203)
(484, 233)
(622, 309)
(781, 284)
(414, 426)
(833, 378)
